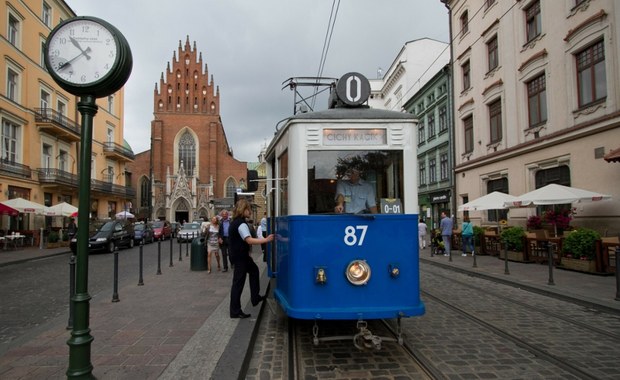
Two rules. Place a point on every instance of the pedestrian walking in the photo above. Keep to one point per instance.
(467, 237)
(223, 234)
(446, 225)
(422, 234)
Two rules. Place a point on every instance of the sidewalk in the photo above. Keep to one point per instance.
(177, 325)
(586, 288)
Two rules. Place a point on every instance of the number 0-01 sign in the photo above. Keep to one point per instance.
(391, 206)
(353, 89)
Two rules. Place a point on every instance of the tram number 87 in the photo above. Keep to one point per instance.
(351, 235)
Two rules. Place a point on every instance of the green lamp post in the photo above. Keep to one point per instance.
(89, 58)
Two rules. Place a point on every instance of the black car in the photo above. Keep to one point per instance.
(115, 233)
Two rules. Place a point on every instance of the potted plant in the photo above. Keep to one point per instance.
(579, 250)
(559, 219)
(534, 222)
(53, 240)
(513, 239)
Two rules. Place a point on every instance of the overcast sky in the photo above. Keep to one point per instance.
(252, 46)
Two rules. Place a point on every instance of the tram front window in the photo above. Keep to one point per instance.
(380, 170)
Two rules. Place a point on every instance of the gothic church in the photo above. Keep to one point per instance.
(189, 172)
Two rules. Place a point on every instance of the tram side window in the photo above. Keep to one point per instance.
(382, 169)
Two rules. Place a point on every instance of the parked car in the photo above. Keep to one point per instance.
(188, 232)
(162, 230)
(143, 233)
(115, 233)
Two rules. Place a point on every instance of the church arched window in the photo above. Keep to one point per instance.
(187, 152)
(231, 188)
(144, 192)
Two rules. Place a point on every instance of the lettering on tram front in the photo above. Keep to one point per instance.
(354, 137)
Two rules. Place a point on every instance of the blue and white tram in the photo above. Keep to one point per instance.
(330, 266)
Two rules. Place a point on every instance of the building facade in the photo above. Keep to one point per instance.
(41, 130)
(537, 101)
(190, 172)
(432, 107)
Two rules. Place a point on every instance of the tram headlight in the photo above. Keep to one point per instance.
(358, 272)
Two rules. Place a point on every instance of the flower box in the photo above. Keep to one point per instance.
(578, 265)
(514, 256)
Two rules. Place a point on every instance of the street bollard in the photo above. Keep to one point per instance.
(617, 274)
(115, 293)
(550, 258)
(473, 254)
(71, 291)
(180, 251)
(506, 271)
(141, 280)
(171, 264)
(159, 257)
(187, 246)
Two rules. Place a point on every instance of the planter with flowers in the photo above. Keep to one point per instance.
(579, 250)
(558, 219)
(514, 239)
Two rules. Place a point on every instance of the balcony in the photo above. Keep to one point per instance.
(13, 169)
(117, 152)
(111, 189)
(52, 122)
(57, 178)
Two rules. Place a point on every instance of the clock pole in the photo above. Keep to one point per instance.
(79, 344)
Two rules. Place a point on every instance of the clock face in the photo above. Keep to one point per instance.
(81, 52)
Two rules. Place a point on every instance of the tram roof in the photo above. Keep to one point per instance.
(353, 113)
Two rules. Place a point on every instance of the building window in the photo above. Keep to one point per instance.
(10, 142)
(111, 104)
(46, 16)
(443, 119)
(62, 160)
(110, 135)
(495, 120)
(47, 156)
(464, 23)
(45, 99)
(537, 100)
(500, 185)
(231, 188)
(110, 176)
(61, 107)
(431, 126)
(468, 129)
(421, 136)
(591, 76)
(492, 53)
(12, 85)
(42, 54)
(13, 31)
(443, 166)
(432, 170)
(533, 21)
(489, 3)
(422, 173)
(144, 192)
(466, 76)
(187, 152)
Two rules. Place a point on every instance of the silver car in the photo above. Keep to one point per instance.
(188, 232)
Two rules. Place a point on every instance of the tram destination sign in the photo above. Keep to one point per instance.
(354, 137)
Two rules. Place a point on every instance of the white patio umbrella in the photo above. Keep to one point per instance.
(554, 194)
(61, 209)
(492, 201)
(24, 206)
(124, 215)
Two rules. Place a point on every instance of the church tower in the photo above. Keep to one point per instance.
(192, 171)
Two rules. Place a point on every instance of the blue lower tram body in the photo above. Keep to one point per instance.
(305, 244)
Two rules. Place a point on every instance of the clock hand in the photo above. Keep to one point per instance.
(64, 65)
(77, 45)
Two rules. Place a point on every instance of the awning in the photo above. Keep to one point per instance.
(613, 156)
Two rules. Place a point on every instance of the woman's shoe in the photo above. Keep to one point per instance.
(209, 271)
(241, 315)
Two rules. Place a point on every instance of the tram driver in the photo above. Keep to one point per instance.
(354, 195)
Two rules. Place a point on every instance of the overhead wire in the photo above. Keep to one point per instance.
(326, 43)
